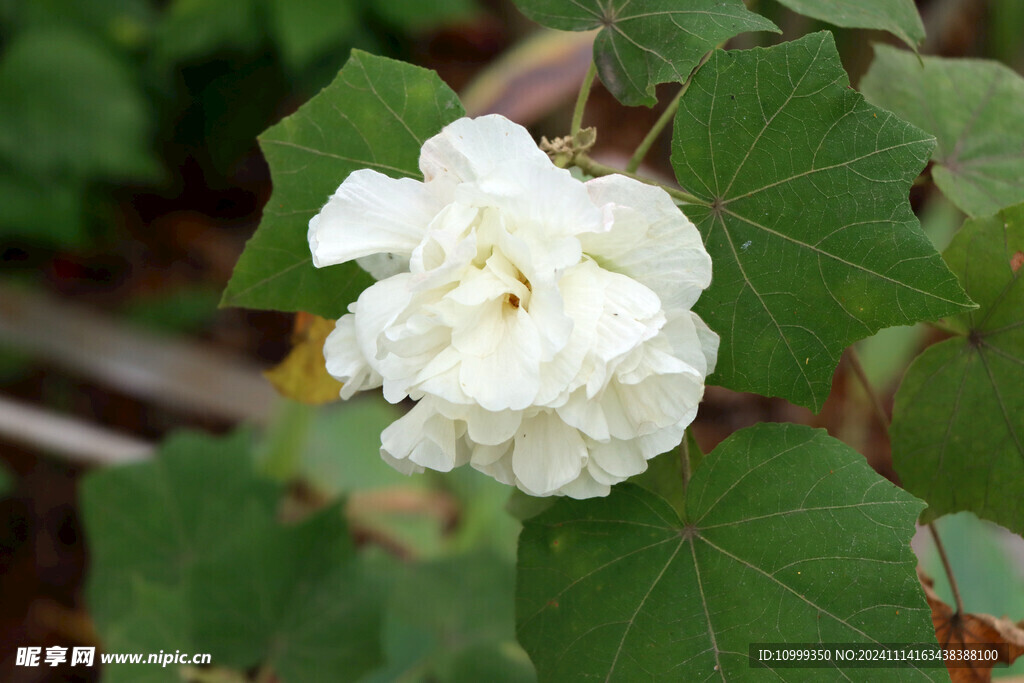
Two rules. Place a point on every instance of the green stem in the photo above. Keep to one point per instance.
(948, 329)
(876, 402)
(684, 459)
(946, 566)
(594, 168)
(645, 145)
(581, 100)
(663, 120)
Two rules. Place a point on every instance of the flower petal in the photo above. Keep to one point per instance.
(345, 361)
(548, 454)
(669, 256)
(371, 213)
(468, 149)
(426, 438)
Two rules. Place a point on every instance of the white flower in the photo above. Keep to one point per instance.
(542, 324)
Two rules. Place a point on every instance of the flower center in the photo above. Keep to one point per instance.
(516, 300)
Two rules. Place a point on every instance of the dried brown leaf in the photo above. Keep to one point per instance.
(972, 631)
(302, 375)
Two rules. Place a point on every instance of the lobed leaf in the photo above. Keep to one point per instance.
(806, 216)
(376, 114)
(450, 621)
(958, 420)
(787, 536)
(975, 109)
(898, 17)
(646, 42)
(186, 550)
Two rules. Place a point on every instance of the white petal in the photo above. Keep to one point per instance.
(377, 308)
(402, 436)
(666, 439)
(423, 437)
(631, 316)
(345, 361)
(483, 426)
(468, 149)
(495, 461)
(508, 378)
(585, 486)
(548, 454)
(669, 256)
(384, 265)
(449, 246)
(371, 213)
(709, 342)
(586, 415)
(620, 459)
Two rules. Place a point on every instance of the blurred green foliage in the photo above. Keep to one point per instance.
(189, 552)
(97, 94)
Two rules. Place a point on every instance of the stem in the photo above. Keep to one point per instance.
(684, 460)
(945, 565)
(876, 402)
(655, 131)
(948, 329)
(581, 100)
(591, 167)
(666, 116)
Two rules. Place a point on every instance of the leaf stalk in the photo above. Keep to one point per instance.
(946, 566)
(581, 100)
(876, 401)
(670, 111)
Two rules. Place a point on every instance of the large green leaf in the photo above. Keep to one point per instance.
(898, 17)
(975, 109)
(806, 219)
(376, 114)
(186, 550)
(450, 621)
(646, 42)
(788, 536)
(958, 421)
(294, 602)
(156, 520)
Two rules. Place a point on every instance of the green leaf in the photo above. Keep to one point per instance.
(195, 533)
(898, 17)
(415, 15)
(958, 420)
(193, 29)
(38, 210)
(376, 114)
(664, 474)
(342, 453)
(301, 609)
(68, 106)
(975, 109)
(788, 536)
(160, 621)
(452, 621)
(813, 241)
(305, 30)
(156, 520)
(646, 42)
